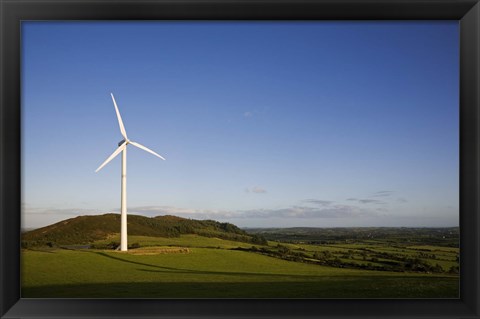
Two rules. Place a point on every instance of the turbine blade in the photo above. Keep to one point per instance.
(117, 151)
(120, 122)
(145, 149)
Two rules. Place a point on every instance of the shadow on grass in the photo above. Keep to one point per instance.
(380, 288)
(246, 285)
(265, 276)
(163, 269)
(40, 250)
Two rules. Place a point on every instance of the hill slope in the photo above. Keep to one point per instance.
(87, 229)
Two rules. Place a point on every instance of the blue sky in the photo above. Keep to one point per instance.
(263, 124)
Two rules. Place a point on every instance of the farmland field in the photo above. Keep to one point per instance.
(192, 266)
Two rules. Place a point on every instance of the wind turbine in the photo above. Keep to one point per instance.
(122, 147)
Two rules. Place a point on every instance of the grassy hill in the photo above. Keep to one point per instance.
(88, 229)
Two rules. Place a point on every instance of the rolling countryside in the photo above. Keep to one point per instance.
(173, 257)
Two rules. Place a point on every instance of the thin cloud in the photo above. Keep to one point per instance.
(171, 210)
(184, 212)
(382, 194)
(256, 190)
(303, 212)
(318, 202)
(254, 112)
(367, 201)
(59, 211)
(337, 211)
(371, 201)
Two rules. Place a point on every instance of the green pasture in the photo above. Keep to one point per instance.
(444, 256)
(212, 270)
(433, 248)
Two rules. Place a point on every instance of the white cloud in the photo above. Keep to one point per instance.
(371, 201)
(366, 201)
(60, 211)
(382, 194)
(256, 189)
(336, 211)
(318, 202)
(35, 217)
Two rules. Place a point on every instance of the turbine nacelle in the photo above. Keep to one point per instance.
(123, 141)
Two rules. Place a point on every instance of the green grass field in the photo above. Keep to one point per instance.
(211, 269)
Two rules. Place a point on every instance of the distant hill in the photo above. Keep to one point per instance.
(87, 229)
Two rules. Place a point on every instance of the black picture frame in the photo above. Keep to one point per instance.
(467, 12)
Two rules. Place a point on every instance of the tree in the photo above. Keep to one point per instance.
(258, 239)
(437, 268)
(454, 270)
(284, 250)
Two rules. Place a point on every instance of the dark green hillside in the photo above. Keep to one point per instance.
(87, 229)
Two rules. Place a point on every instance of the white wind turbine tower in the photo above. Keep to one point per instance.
(122, 147)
